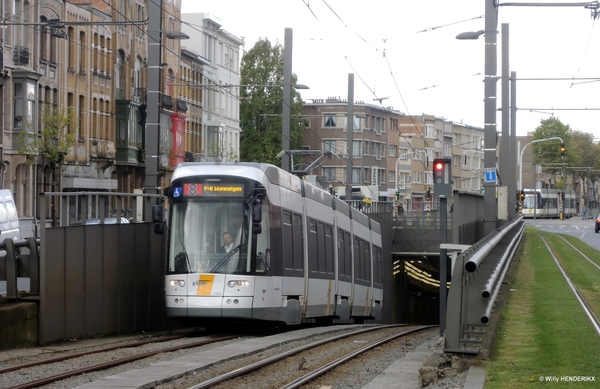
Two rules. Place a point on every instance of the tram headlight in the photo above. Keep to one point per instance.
(238, 283)
(180, 283)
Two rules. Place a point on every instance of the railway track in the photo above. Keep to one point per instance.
(135, 363)
(587, 308)
(304, 363)
(135, 349)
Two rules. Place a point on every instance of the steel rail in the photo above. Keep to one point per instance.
(102, 366)
(83, 353)
(267, 361)
(340, 361)
(586, 308)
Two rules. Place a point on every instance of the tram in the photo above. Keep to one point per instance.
(297, 252)
(548, 203)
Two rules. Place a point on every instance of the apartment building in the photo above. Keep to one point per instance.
(373, 148)
(92, 57)
(220, 51)
(391, 152)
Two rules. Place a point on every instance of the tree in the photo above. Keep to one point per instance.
(548, 154)
(53, 142)
(261, 105)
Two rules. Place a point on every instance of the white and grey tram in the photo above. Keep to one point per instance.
(548, 203)
(298, 252)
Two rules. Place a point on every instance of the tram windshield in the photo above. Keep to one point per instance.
(529, 201)
(208, 236)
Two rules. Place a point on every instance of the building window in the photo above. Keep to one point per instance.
(329, 121)
(417, 177)
(392, 151)
(429, 178)
(329, 173)
(356, 147)
(356, 176)
(429, 131)
(24, 103)
(392, 176)
(329, 145)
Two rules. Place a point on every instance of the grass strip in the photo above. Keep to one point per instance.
(544, 332)
(581, 272)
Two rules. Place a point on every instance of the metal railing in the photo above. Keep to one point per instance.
(476, 283)
(21, 259)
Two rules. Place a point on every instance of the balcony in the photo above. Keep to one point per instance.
(21, 56)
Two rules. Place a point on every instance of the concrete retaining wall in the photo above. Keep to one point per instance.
(18, 325)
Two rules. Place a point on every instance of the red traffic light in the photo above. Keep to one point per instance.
(439, 166)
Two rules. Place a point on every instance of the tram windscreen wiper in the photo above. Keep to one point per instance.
(226, 259)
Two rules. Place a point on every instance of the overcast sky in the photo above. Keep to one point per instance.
(406, 54)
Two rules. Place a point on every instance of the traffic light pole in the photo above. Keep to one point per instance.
(443, 262)
(442, 187)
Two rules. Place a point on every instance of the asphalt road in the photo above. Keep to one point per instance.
(575, 226)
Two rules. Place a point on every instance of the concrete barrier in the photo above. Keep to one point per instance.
(18, 325)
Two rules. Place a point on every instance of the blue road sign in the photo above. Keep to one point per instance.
(490, 175)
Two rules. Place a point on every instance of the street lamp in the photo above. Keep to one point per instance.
(403, 155)
(521, 157)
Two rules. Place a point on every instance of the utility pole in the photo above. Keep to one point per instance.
(287, 91)
(152, 131)
(349, 136)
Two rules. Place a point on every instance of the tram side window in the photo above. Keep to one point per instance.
(292, 241)
(312, 246)
(377, 267)
(358, 253)
(344, 255)
(263, 245)
(320, 246)
(367, 261)
(362, 265)
(329, 257)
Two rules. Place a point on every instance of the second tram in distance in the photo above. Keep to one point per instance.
(250, 241)
(548, 203)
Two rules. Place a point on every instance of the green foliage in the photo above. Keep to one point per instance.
(549, 152)
(582, 156)
(219, 152)
(54, 142)
(262, 106)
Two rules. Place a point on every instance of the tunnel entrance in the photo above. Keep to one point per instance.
(418, 287)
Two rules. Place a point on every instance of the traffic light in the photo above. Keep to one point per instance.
(562, 149)
(562, 196)
(428, 193)
(397, 195)
(522, 193)
(442, 177)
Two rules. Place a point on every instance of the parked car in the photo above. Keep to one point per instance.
(597, 228)
(107, 220)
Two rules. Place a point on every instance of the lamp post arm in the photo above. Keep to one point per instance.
(521, 156)
(397, 162)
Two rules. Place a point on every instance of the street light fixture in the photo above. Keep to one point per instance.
(521, 157)
(470, 35)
